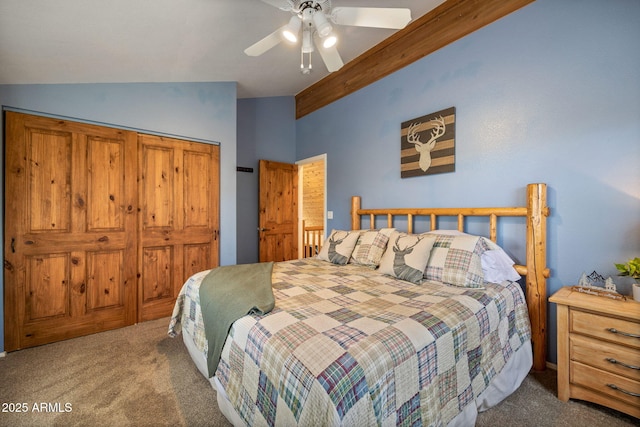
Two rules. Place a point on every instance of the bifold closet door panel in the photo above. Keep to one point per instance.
(178, 187)
(70, 229)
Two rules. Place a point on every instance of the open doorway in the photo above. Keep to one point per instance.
(312, 204)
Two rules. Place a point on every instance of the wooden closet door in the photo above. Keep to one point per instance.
(178, 219)
(70, 229)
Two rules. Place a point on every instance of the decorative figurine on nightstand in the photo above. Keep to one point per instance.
(595, 284)
(584, 282)
(609, 285)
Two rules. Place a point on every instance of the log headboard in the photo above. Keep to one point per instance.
(534, 269)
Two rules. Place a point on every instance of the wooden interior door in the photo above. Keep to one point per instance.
(178, 219)
(278, 216)
(70, 229)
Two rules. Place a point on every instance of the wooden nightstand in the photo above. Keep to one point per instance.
(598, 350)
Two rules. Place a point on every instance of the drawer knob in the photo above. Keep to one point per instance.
(630, 393)
(626, 334)
(617, 362)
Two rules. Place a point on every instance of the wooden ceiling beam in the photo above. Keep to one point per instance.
(445, 24)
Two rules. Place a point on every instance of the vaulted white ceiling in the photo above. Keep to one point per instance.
(115, 41)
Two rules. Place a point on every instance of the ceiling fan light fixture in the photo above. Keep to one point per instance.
(329, 41)
(292, 29)
(311, 17)
(323, 27)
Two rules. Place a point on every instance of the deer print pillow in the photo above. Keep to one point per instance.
(339, 246)
(406, 256)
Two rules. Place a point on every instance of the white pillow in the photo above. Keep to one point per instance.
(497, 266)
(406, 256)
(337, 248)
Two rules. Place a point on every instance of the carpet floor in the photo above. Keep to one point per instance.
(138, 376)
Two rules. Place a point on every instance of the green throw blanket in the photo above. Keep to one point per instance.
(229, 293)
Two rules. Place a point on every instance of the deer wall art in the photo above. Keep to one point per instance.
(428, 144)
(425, 148)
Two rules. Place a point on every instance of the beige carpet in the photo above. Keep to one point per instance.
(137, 376)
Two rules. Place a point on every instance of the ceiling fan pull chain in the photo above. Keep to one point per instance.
(303, 69)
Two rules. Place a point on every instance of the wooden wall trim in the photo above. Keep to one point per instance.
(445, 24)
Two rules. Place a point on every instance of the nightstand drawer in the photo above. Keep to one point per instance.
(606, 356)
(604, 382)
(606, 328)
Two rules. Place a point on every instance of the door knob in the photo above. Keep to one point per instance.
(262, 229)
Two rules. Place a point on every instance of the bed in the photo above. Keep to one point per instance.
(388, 327)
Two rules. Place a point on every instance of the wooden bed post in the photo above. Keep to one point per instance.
(355, 218)
(537, 271)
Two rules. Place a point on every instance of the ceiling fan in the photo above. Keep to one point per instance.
(311, 18)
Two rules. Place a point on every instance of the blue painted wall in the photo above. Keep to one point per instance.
(192, 110)
(550, 93)
(266, 131)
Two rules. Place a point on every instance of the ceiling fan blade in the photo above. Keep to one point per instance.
(280, 4)
(265, 44)
(378, 17)
(330, 56)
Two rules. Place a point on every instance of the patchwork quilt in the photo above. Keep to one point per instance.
(348, 346)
